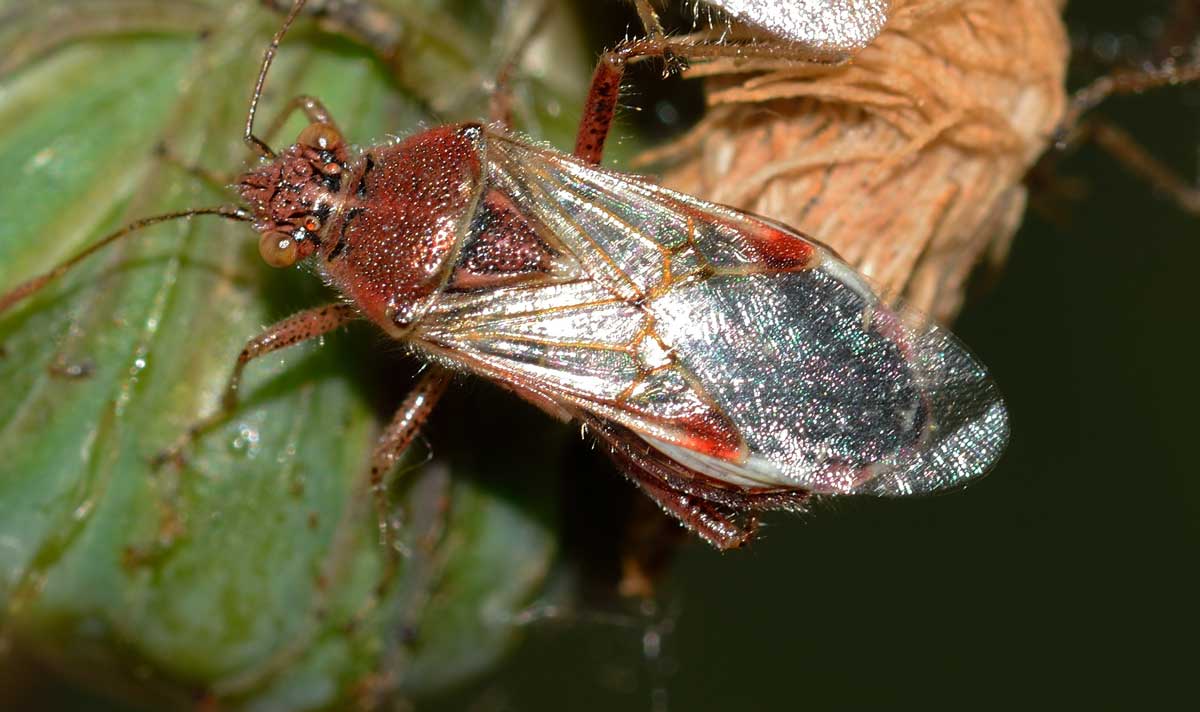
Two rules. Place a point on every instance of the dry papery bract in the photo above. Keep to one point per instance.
(907, 159)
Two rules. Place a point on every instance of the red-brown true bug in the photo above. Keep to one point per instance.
(728, 363)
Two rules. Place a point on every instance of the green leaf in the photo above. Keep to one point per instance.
(247, 576)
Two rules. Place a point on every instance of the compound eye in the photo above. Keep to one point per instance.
(278, 249)
(323, 137)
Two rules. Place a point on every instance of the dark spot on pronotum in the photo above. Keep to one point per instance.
(337, 249)
(361, 189)
(341, 247)
(332, 182)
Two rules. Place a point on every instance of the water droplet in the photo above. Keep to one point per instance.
(246, 440)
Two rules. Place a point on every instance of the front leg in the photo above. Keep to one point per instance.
(600, 106)
(306, 325)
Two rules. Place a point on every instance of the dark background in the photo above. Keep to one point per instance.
(1064, 578)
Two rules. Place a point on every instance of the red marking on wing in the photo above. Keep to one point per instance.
(780, 250)
(777, 248)
(713, 434)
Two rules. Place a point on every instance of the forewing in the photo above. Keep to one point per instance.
(636, 238)
(735, 346)
(574, 344)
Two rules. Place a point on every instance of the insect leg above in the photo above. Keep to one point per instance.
(601, 103)
(303, 326)
(500, 102)
(649, 18)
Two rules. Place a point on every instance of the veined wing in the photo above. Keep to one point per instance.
(574, 344)
(736, 347)
(634, 237)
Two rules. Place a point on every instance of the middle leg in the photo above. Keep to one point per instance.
(395, 439)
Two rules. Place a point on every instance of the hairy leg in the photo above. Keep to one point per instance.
(393, 441)
(601, 103)
(306, 325)
(711, 521)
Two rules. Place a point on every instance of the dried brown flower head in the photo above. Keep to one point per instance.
(907, 159)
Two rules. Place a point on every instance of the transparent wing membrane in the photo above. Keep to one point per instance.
(736, 347)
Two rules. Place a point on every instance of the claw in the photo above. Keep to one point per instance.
(673, 63)
(172, 454)
(175, 452)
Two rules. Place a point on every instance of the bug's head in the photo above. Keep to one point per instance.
(293, 195)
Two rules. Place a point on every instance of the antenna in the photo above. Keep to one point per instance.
(251, 140)
(30, 286)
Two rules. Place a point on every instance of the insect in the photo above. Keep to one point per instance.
(728, 363)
